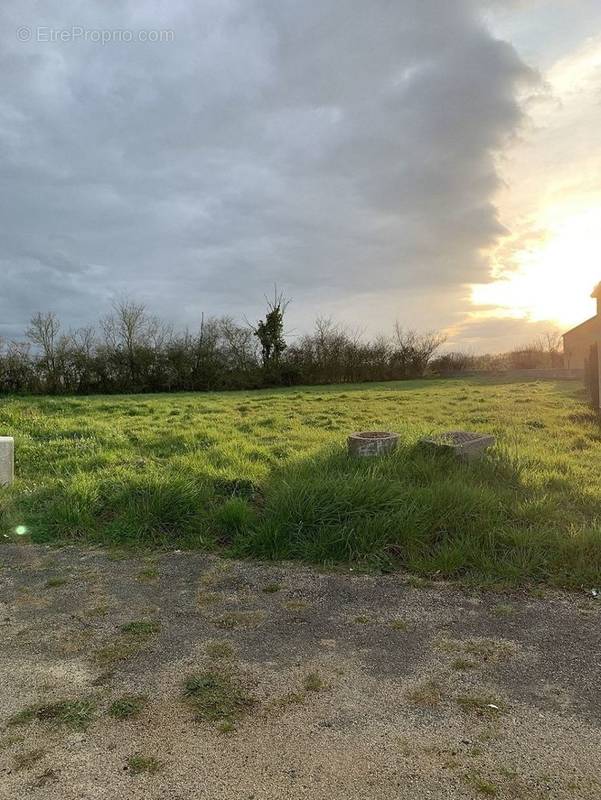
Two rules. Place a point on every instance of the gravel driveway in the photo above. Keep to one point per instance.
(184, 676)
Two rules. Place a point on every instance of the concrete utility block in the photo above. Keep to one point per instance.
(467, 446)
(7, 460)
(372, 443)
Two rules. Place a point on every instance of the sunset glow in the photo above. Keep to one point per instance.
(553, 281)
(546, 267)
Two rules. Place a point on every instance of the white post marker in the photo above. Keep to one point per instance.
(7, 460)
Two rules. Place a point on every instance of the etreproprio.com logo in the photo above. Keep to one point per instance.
(78, 33)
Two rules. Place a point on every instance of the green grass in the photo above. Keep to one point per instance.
(127, 706)
(216, 697)
(220, 649)
(134, 636)
(148, 575)
(266, 474)
(141, 628)
(138, 763)
(75, 714)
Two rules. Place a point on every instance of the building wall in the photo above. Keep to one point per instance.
(578, 341)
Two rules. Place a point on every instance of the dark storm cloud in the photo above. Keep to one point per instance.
(336, 148)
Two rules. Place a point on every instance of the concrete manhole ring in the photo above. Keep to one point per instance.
(372, 443)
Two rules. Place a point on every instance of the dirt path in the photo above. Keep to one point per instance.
(307, 685)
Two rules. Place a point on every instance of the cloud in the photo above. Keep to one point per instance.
(548, 266)
(342, 150)
(497, 334)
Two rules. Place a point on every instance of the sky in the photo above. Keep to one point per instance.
(435, 162)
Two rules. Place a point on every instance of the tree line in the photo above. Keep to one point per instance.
(543, 352)
(132, 350)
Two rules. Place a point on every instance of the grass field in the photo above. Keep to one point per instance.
(266, 474)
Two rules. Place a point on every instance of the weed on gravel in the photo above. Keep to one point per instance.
(217, 696)
(138, 763)
(313, 682)
(426, 694)
(76, 714)
(127, 706)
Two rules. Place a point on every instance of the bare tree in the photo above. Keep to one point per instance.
(544, 351)
(412, 351)
(237, 344)
(125, 331)
(43, 332)
(81, 354)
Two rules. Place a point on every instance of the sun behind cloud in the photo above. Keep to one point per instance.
(553, 279)
(547, 266)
